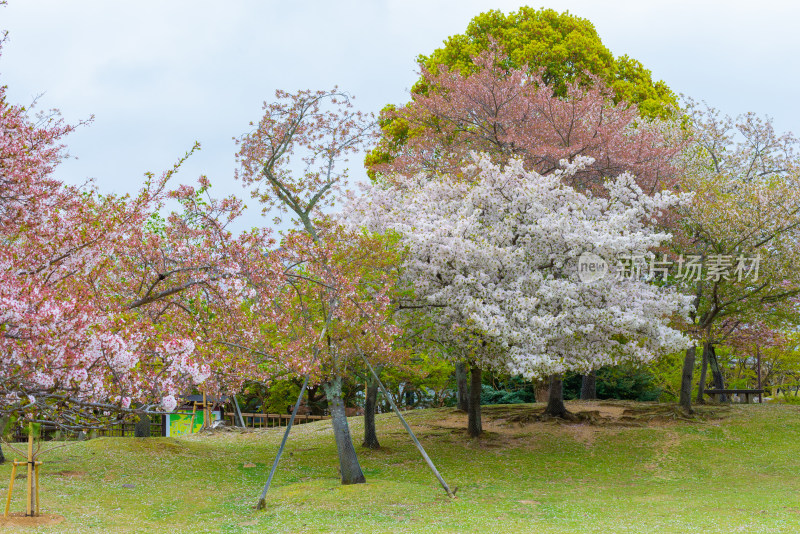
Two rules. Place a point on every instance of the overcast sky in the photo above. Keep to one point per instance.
(158, 75)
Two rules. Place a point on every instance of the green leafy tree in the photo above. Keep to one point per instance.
(781, 368)
(424, 382)
(667, 372)
(562, 46)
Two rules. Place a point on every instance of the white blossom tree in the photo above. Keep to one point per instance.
(494, 258)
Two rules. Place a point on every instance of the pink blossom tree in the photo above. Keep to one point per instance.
(512, 113)
(743, 225)
(336, 303)
(102, 297)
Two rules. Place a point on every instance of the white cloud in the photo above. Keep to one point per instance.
(158, 75)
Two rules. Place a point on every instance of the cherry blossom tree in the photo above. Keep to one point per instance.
(53, 334)
(742, 227)
(102, 297)
(336, 304)
(494, 257)
(510, 111)
(192, 279)
(513, 113)
(93, 322)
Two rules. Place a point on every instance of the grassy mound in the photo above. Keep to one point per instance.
(618, 467)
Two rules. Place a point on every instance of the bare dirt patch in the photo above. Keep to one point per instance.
(583, 433)
(584, 420)
(17, 520)
(603, 413)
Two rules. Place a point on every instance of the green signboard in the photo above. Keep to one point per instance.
(181, 423)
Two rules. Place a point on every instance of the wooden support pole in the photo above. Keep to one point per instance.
(758, 365)
(450, 493)
(29, 501)
(238, 410)
(37, 487)
(206, 422)
(262, 501)
(10, 487)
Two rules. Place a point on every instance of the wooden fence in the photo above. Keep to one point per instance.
(120, 430)
(125, 430)
(267, 420)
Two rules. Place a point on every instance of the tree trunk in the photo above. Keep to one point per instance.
(370, 405)
(474, 427)
(315, 400)
(30, 482)
(701, 386)
(462, 391)
(409, 396)
(142, 427)
(348, 461)
(3, 423)
(716, 373)
(555, 401)
(589, 386)
(686, 379)
(541, 390)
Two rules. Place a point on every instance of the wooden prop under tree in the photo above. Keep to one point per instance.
(237, 411)
(450, 493)
(32, 481)
(262, 501)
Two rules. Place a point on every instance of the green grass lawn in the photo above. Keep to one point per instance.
(736, 472)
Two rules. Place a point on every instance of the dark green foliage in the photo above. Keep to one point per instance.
(572, 385)
(626, 382)
(489, 395)
(789, 399)
(563, 46)
(282, 394)
(511, 390)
